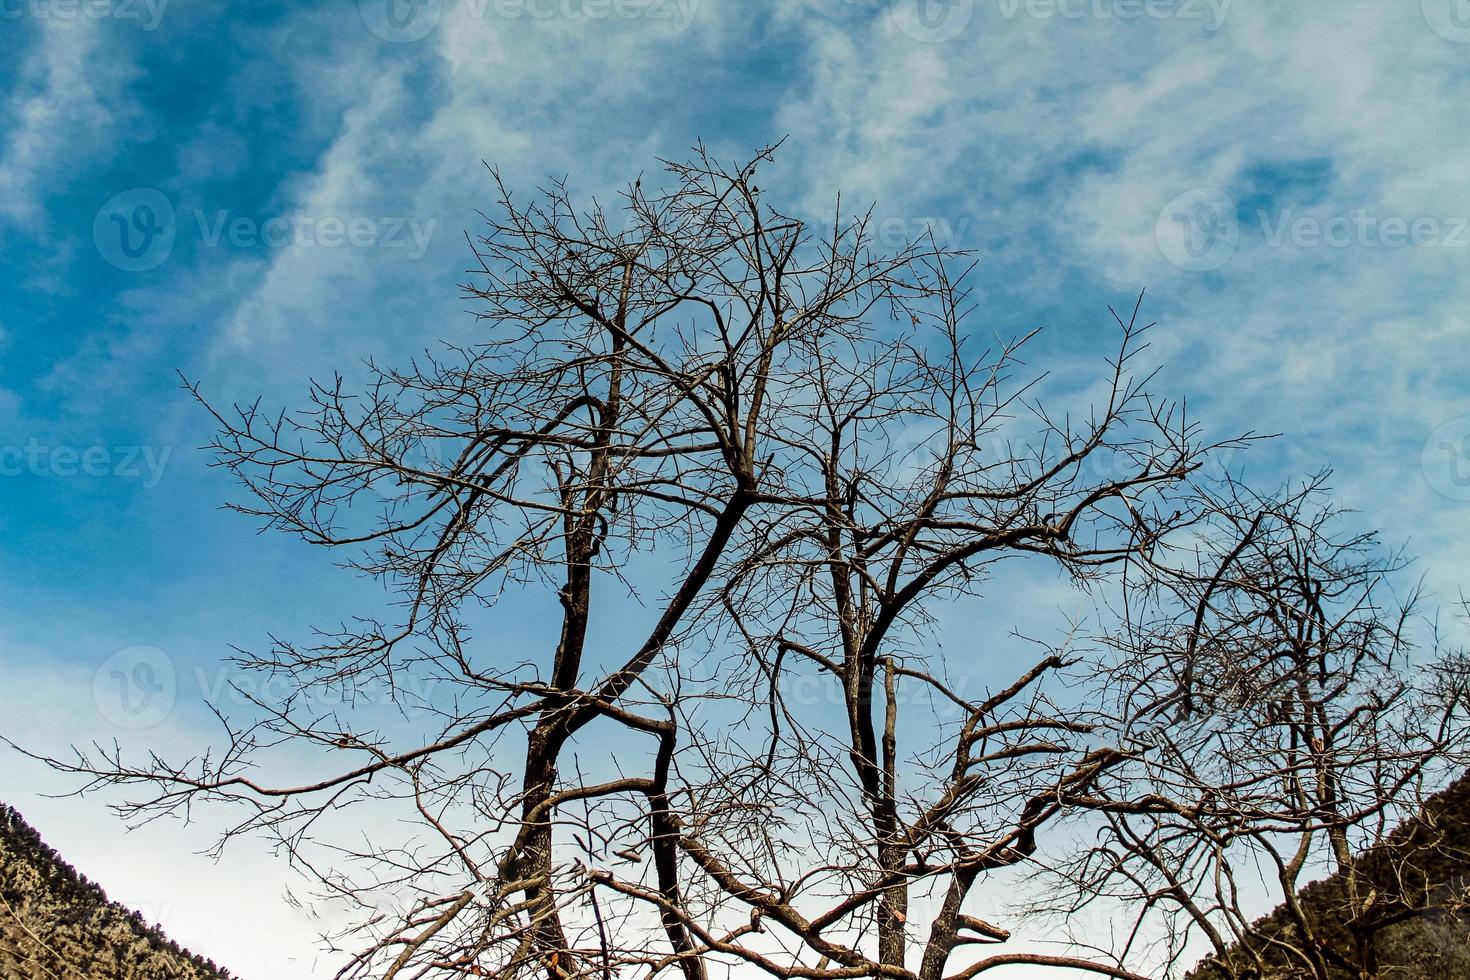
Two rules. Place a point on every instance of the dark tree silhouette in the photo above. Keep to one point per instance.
(789, 448)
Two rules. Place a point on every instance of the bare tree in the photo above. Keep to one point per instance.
(731, 466)
(1281, 728)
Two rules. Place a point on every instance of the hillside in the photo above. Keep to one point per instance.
(1421, 911)
(56, 925)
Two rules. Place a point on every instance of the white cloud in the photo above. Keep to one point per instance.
(531, 95)
(64, 113)
(1343, 349)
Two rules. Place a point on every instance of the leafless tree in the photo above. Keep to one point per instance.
(1281, 729)
(716, 471)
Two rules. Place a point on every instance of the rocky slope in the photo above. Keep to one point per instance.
(56, 925)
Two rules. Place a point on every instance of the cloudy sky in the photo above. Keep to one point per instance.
(256, 193)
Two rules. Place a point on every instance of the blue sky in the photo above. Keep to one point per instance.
(256, 193)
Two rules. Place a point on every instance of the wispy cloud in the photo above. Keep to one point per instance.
(69, 96)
